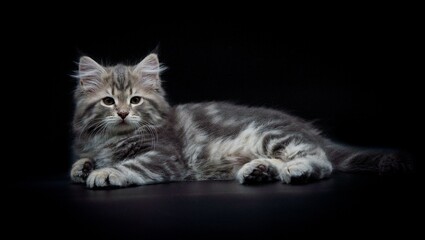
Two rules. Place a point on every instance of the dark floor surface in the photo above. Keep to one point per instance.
(344, 205)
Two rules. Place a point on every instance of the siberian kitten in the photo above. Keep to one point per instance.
(127, 134)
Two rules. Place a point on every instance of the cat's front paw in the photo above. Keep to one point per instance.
(106, 177)
(296, 172)
(81, 170)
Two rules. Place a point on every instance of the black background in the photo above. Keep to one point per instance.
(353, 76)
(355, 73)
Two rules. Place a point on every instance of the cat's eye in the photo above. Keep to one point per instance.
(108, 101)
(135, 100)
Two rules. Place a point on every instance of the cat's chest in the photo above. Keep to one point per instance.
(96, 144)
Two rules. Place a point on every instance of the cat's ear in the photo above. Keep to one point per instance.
(90, 74)
(148, 71)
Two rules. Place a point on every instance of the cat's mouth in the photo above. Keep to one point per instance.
(123, 126)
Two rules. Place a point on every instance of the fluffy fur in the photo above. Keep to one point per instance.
(127, 134)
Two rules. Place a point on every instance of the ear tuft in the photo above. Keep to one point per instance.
(90, 74)
(148, 71)
(150, 64)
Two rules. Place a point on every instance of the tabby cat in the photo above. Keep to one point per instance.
(127, 134)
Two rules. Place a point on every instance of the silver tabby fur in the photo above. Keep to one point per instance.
(121, 141)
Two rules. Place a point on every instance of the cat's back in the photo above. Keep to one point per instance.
(222, 119)
(224, 113)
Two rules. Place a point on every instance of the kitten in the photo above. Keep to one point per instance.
(127, 134)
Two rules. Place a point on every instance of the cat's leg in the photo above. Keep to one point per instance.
(259, 170)
(131, 172)
(81, 169)
(145, 169)
(302, 160)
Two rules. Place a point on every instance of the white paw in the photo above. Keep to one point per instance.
(81, 169)
(256, 171)
(106, 177)
(296, 172)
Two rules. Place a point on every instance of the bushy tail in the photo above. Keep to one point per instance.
(383, 162)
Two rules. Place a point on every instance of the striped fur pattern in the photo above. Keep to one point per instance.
(127, 134)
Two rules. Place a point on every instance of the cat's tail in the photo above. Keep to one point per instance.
(382, 162)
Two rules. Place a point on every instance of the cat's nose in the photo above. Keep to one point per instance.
(122, 114)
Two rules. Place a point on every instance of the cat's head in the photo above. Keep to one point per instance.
(118, 99)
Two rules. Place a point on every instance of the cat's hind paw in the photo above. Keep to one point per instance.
(106, 177)
(296, 172)
(256, 171)
(81, 169)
